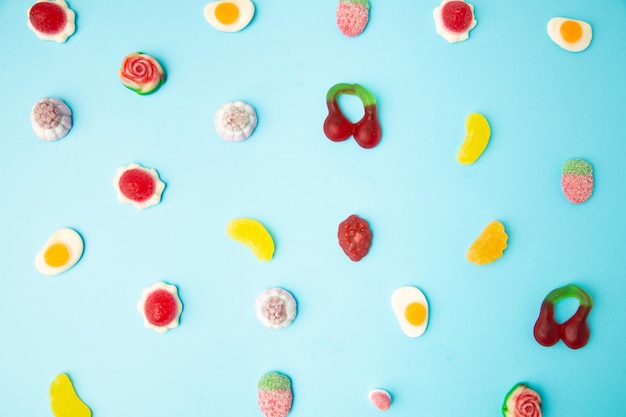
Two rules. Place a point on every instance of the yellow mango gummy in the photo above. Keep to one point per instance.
(64, 401)
(477, 137)
(490, 245)
(254, 235)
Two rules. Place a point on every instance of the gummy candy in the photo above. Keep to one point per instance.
(367, 131)
(275, 308)
(161, 307)
(577, 180)
(275, 395)
(51, 20)
(380, 398)
(454, 19)
(64, 401)
(355, 237)
(51, 119)
(254, 235)
(141, 73)
(570, 34)
(235, 121)
(352, 16)
(522, 401)
(229, 15)
(574, 331)
(476, 139)
(138, 185)
(490, 245)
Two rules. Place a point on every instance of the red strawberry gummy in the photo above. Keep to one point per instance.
(355, 237)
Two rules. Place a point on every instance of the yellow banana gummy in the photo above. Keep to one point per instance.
(476, 139)
(64, 401)
(254, 235)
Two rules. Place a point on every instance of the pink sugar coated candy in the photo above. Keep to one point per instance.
(577, 180)
(51, 119)
(380, 398)
(352, 16)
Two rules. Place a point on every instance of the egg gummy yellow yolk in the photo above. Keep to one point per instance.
(57, 255)
(226, 13)
(570, 34)
(229, 15)
(415, 313)
(411, 309)
(571, 31)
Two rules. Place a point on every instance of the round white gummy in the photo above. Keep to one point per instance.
(275, 308)
(73, 243)
(447, 34)
(554, 32)
(159, 186)
(54, 129)
(235, 121)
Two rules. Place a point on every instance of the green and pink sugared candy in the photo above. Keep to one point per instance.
(275, 394)
(522, 401)
(352, 16)
(577, 180)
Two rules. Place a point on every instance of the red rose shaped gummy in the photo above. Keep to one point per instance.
(139, 186)
(275, 308)
(355, 237)
(367, 131)
(51, 20)
(574, 331)
(141, 73)
(577, 180)
(380, 398)
(454, 20)
(275, 395)
(352, 16)
(51, 119)
(522, 401)
(161, 307)
(64, 402)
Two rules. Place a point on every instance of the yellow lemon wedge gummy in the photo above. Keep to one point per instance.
(254, 235)
(477, 137)
(489, 246)
(64, 401)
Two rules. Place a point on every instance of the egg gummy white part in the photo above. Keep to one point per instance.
(61, 252)
(229, 15)
(570, 34)
(411, 308)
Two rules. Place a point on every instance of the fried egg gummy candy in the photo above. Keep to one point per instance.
(235, 121)
(380, 399)
(490, 245)
(275, 308)
(275, 395)
(161, 307)
(61, 252)
(254, 235)
(477, 137)
(574, 332)
(352, 16)
(52, 20)
(229, 15)
(138, 186)
(522, 401)
(577, 180)
(454, 20)
(141, 73)
(64, 402)
(367, 131)
(51, 119)
(570, 34)
(411, 309)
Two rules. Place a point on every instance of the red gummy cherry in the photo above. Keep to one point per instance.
(355, 237)
(457, 16)
(160, 308)
(546, 329)
(336, 126)
(367, 131)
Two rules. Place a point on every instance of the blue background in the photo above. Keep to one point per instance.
(545, 106)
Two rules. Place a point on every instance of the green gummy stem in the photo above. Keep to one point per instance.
(577, 166)
(570, 291)
(364, 3)
(274, 381)
(363, 93)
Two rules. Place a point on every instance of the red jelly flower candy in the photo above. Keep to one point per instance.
(355, 237)
(160, 306)
(139, 186)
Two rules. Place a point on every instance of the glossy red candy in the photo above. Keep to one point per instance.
(137, 185)
(161, 308)
(47, 17)
(574, 331)
(367, 131)
(457, 16)
(355, 237)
